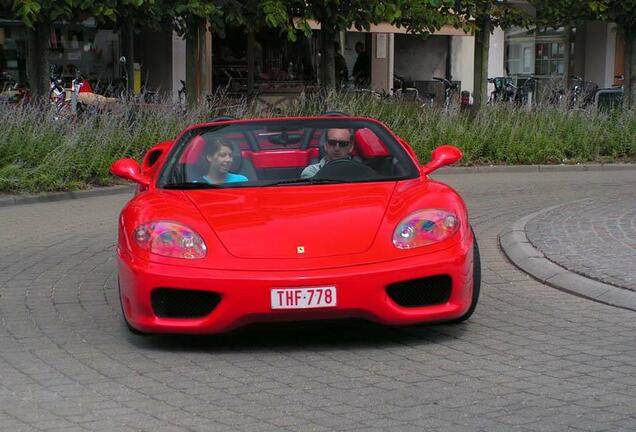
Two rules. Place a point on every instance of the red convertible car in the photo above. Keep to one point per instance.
(243, 221)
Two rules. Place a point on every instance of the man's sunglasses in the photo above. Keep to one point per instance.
(341, 144)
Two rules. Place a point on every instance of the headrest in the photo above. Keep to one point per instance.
(368, 144)
(237, 157)
(194, 151)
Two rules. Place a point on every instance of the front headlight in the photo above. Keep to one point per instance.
(169, 239)
(425, 227)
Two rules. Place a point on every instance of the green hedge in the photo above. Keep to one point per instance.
(38, 153)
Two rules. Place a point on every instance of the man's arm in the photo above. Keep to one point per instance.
(310, 171)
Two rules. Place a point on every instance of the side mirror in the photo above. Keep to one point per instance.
(129, 169)
(442, 156)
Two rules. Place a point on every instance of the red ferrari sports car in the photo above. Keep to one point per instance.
(243, 221)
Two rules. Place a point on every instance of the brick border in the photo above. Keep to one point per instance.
(536, 168)
(61, 196)
(517, 248)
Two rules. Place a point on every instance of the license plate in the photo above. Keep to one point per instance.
(303, 298)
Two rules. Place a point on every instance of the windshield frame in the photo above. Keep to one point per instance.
(248, 126)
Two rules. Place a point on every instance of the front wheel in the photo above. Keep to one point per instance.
(476, 282)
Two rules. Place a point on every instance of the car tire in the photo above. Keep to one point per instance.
(129, 326)
(476, 282)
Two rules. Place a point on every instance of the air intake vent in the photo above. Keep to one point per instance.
(181, 303)
(428, 291)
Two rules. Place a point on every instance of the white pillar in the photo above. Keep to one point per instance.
(178, 64)
(496, 54)
(462, 57)
(496, 57)
(382, 61)
(600, 53)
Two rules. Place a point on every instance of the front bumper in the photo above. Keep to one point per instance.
(246, 295)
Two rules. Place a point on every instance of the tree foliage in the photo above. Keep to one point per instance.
(563, 12)
(31, 12)
(254, 15)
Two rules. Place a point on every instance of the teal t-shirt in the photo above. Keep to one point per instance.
(229, 178)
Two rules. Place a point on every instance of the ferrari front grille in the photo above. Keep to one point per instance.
(426, 291)
(183, 303)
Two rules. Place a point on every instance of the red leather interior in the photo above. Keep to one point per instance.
(193, 152)
(286, 158)
(368, 144)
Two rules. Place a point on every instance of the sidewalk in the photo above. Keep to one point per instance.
(586, 247)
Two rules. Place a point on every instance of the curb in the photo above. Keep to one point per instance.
(535, 168)
(112, 190)
(61, 196)
(518, 249)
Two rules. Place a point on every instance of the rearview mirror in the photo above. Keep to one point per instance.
(129, 169)
(442, 156)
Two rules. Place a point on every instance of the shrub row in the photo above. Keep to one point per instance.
(39, 153)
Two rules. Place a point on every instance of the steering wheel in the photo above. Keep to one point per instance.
(346, 169)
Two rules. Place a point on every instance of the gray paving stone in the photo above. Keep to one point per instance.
(529, 352)
(594, 237)
(565, 258)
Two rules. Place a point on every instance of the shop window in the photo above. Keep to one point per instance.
(549, 58)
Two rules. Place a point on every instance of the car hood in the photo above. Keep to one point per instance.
(295, 221)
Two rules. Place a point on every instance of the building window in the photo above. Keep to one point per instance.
(549, 58)
(538, 52)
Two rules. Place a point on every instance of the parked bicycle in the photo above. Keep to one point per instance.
(13, 92)
(405, 89)
(506, 91)
(525, 94)
(77, 101)
(579, 96)
(450, 89)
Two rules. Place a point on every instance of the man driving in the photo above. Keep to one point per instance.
(338, 146)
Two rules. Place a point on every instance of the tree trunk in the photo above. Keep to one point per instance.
(327, 60)
(37, 63)
(629, 92)
(482, 44)
(567, 36)
(251, 64)
(197, 73)
(129, 52)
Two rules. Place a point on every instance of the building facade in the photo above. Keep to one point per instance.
(593, 51)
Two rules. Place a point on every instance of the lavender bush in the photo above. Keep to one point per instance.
(40, 153)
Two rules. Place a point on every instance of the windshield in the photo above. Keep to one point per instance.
(285, 153)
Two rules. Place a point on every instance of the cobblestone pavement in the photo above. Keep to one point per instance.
(593, 237)
(532, 358)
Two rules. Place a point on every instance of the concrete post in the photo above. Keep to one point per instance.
(178, 64)
(382, 45)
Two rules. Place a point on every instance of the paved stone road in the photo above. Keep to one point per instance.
(531, 359)
(593, 237)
